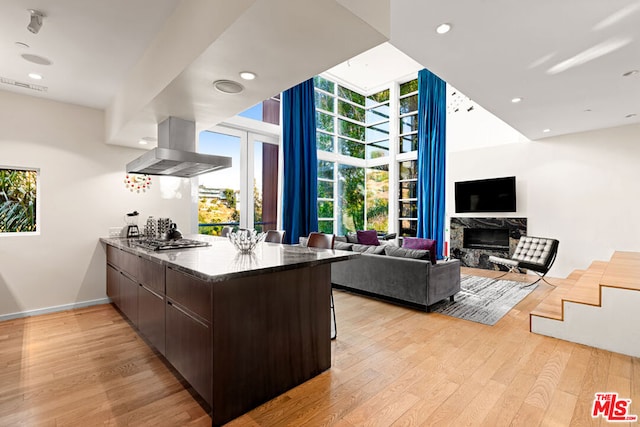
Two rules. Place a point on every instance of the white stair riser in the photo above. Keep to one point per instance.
(613, 326)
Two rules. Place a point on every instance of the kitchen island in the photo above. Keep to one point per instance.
(241, 329)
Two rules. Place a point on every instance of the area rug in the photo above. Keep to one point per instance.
(484, 300)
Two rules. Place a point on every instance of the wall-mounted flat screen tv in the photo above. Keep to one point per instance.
(486, 195)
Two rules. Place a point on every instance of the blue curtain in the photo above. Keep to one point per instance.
(300, 165)
(432, 129)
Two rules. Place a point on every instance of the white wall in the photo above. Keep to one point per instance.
(470, 130)
(82, 195)
(580, 188)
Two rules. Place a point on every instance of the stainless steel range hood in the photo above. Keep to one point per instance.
(175, 155)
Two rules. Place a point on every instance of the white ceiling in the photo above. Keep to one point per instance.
(146, 59)
(561, 57)
(91, 44)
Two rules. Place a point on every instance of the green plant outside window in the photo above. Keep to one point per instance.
(18, 200)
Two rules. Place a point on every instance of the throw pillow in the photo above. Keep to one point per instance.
(389, 236)
(368, 249)
(341, 239)
(407, 253)
(352, 237)
(343, 246)
(368, 237)
(419, 243)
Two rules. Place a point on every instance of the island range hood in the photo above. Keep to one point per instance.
(175, 154)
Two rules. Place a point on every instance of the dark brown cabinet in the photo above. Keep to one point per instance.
(151, 302)
(151, 317)
(188, 341)
(113, 284)
(129, 297)
(240, 341)
(188, 333)
(137, 286)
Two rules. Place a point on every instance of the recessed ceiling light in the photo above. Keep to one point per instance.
(630, 73)
(443, 28)
(35, 76)
(228, 86)
(546, 130)
(248, 75)
(516, 100)
(628, 116)
(21, 44)
(587, 110)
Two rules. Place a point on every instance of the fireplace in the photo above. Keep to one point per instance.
(486, 238)
(474, 240)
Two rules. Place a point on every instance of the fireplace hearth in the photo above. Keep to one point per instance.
(473, 240)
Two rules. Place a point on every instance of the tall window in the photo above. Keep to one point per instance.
(238, 196)
(408, 203)
(326, 181)
(407, 158)
(352, 129)
(18, 200)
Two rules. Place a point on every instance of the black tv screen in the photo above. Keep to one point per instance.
(486, 195)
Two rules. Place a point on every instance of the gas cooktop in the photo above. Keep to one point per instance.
(163, 245)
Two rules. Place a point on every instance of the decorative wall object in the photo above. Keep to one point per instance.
(18, 200)
(137, 183)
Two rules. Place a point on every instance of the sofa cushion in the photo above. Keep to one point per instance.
(368, 237)
(368, 249)
(343, 246)
(352, 237)
(341, 239)
(407, 253)
(419, 243)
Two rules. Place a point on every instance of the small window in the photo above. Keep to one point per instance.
(18, 200)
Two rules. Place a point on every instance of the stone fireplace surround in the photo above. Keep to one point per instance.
(485, 240)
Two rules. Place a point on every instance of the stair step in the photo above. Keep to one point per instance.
(575, 274)
(623, 271)
(551, 306)
(581, 286)
(586, 290)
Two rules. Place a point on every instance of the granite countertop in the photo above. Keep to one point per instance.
(221, 261)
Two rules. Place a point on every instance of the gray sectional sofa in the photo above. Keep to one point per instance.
(412, 282)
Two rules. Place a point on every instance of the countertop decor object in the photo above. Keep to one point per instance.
(245, 240)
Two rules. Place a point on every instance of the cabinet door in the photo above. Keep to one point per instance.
(151, 314)
(188, 348)
(151, 275)
(113, 284)
(190, 292)
(129, 263)
(129, 298)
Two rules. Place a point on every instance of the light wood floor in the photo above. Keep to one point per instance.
(391, 366)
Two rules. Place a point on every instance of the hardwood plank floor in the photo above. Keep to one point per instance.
(390, 366)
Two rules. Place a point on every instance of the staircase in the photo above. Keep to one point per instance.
(598, 307)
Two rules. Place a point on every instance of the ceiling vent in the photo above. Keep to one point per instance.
(31, 86)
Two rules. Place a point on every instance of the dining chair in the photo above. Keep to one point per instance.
(275, 236)
(325, 241)
(226, 230)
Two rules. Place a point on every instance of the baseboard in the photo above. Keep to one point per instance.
(54, 309)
